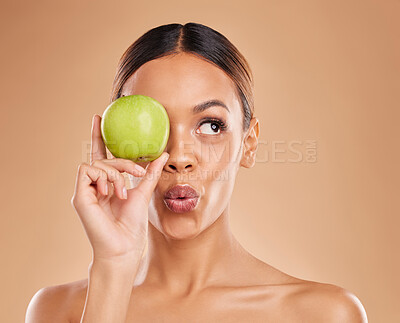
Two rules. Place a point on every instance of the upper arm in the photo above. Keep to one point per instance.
(319, 302)
(47, 305)
(347, 308)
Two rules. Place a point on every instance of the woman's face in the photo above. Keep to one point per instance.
(205, 147)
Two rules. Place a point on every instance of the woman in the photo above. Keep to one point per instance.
(160, 258)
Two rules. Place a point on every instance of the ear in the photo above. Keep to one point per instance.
(250, 143)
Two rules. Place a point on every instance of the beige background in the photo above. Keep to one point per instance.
(325, 71)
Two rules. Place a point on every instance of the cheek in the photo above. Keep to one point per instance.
(218, 179)
(217, 155)
(218, 167)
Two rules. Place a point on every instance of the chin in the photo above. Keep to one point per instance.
(174, 225)
(180, 227)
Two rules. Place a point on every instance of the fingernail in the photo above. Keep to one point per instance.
(106, 189)
(124, 193)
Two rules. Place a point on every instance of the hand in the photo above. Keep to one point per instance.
(116, 227)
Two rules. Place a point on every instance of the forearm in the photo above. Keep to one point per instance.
(109, 290)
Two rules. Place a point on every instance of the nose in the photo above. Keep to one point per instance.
(181, 155)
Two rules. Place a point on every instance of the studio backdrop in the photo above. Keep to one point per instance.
(321, 202)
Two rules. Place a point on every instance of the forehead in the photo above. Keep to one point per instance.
(182, 80)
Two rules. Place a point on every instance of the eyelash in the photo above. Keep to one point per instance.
(222, 125)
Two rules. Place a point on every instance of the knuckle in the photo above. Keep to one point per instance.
(113, 175)
(74, 201)
(103, 176)
(82, 167)
(117, 177)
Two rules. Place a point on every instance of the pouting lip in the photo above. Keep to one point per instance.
(181, 191)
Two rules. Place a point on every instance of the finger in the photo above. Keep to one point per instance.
(125, 165)
(153, 173)
(100, 181)
(84, 202)
(98, 148)
(114, 175)
(88, 175)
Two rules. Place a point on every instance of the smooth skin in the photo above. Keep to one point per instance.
(153, 265)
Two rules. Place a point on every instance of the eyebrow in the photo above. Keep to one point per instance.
(208, 104)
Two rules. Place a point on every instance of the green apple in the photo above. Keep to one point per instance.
(135, 127)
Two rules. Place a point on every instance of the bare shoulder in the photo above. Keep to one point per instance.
(310, 301)
(58, 303)
(321, 302)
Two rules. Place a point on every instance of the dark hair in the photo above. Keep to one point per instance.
(191, 38)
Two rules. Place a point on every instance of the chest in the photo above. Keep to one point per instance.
(211, 306)
(215, 305)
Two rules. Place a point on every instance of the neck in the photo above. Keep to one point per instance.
(187, 266)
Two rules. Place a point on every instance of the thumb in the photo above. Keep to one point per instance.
(153, 173)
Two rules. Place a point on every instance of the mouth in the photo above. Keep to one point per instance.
(181, 198)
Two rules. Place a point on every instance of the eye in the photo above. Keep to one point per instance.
(211, 126)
